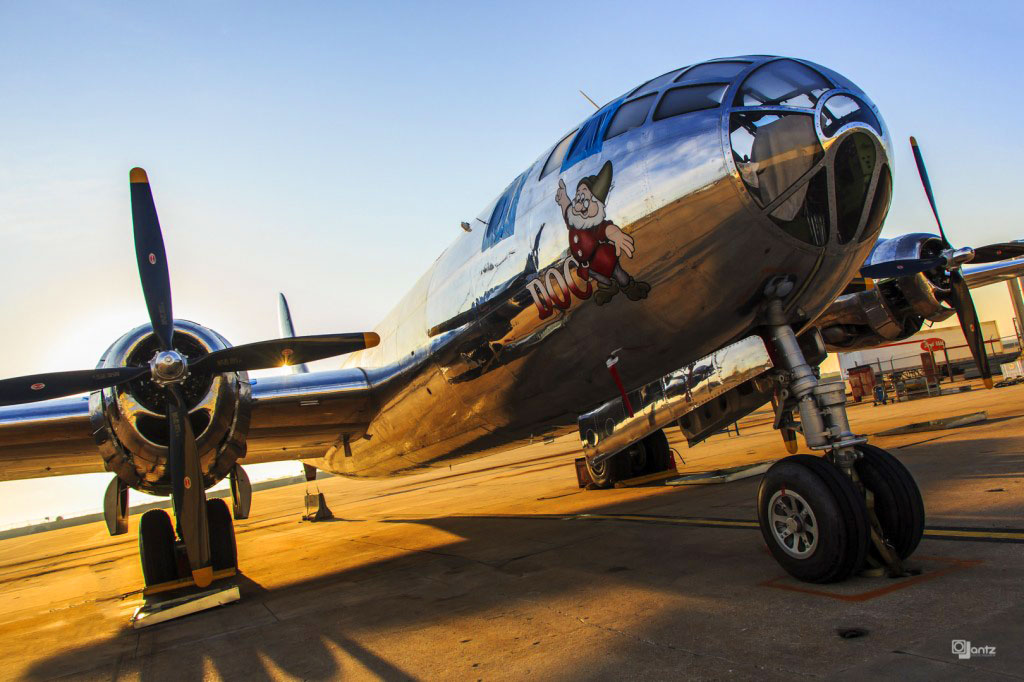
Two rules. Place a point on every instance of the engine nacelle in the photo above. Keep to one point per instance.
(895, 308)
(130, 423)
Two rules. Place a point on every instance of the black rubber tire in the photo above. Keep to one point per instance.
(842, 518)
(898, 503)
(223, 550)
(156, 548)
(638, 459)
(659, 454)
(607, 473)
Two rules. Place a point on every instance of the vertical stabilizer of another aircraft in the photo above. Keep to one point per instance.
(284, 319)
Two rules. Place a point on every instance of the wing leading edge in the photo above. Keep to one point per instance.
(300, 416)
(991, 273)
(50, 438)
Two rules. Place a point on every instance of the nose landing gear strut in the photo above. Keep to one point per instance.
(825, 518)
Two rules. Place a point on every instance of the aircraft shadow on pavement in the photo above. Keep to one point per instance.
(494, 566)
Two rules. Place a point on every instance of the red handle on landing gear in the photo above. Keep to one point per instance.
(613, 370)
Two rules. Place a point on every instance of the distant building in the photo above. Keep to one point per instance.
(906, 354)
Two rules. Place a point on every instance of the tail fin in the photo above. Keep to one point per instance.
(284, 318)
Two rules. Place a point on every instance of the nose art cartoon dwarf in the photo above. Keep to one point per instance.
(597, 242)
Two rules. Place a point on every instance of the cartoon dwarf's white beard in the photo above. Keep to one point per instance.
(579, 222)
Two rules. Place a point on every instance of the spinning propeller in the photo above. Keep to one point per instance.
(169, 368)
(951, 260)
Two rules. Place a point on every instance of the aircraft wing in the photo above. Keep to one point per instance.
(50, 438)
(990, 273)
(293, 417)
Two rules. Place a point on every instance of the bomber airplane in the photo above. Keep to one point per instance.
(685, 255)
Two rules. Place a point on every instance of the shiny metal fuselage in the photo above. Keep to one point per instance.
(506, 374)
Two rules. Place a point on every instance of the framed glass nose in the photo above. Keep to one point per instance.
(842, 109)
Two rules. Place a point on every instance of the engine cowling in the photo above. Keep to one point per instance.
(130, 424)
(895, 308)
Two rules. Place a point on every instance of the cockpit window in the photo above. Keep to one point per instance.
(630, 115)
(774, 154)
(772, 151)
(655, 83)
(809, 221)
(557, 154)
(503, 217)
(590, 138)
(782, 83)
(879, 205)
(854, 168)
(842, 109)
(713, 71)
(689, 98)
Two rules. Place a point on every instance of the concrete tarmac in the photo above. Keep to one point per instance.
(502, 568)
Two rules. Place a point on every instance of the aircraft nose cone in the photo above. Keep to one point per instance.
(811, 152)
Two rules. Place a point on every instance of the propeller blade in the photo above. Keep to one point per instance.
(997, 252)
(35, 387)
(923, 172)
(278, 352)
(964, 306)
(189, 494)
(901, 268)
(152, 258)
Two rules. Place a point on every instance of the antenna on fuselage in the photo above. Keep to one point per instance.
(589, 100)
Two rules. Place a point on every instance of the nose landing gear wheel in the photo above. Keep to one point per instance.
(813, 519)
(898, 504)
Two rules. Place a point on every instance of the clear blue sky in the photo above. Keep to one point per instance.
(329, 150)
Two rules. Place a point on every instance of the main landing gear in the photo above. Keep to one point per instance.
(164, 562)
(825, 518)
(647, 456)
(165, 565)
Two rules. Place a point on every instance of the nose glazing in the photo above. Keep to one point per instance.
(810, 154)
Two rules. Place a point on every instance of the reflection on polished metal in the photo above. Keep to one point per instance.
(168, 367)
(129, 422)
(957, 257)
(895, 309)
(683, 229)
(503, 340)
(822, 407)
(610, 429)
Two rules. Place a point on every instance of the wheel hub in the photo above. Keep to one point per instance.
(793, 524)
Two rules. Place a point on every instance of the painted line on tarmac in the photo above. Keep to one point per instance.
(1011, 535)
(673, 520)
(974, 534)
(956, 533)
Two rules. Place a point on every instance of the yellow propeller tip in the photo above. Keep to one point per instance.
(138, 175)
(913, 142)
(371, 339)
(202, 576)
